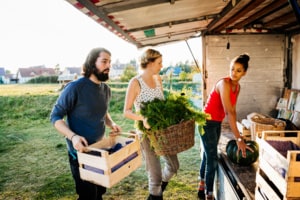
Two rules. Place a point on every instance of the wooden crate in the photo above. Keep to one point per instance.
(266, 190)
(260, 194)
(246, 133)
(282, 171)
(108, 169)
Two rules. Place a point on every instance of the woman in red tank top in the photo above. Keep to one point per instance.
(221, 101)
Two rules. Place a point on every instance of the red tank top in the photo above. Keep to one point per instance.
(214, 105)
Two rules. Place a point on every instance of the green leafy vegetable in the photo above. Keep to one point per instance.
(170, 111)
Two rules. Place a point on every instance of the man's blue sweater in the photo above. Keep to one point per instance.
(85, 104)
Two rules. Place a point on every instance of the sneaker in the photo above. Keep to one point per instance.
(152, 197)
(201, 195)
(201, 190)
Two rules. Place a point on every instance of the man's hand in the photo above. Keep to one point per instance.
(115, 128)
(79, 143)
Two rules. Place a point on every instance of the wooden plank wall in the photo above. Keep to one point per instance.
(296, 62)
(264, 82)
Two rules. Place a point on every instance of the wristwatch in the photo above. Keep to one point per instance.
(239, 139)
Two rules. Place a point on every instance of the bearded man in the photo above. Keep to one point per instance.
(84, 102)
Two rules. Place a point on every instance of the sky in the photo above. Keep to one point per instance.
(53, 32)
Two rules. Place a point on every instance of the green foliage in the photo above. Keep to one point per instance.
(183, 76)
(170, 111)
(33, 155)
(129, 72)
(44, 79)
(117, 85)
(117, 101)
(179, 85)
(26, 108)
(185, 67)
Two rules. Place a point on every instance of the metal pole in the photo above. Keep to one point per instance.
(193, 55)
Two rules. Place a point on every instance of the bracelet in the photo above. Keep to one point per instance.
(72, 137)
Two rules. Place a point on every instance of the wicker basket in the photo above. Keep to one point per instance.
(260, 123)
(174, 139)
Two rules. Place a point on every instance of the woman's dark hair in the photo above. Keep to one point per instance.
(89, 66)
(243, 59)
(150, 55)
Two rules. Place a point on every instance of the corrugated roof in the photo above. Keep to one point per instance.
(153, 22)
(74, 70)
(36, 71)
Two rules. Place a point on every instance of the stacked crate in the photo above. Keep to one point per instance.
(278, 174)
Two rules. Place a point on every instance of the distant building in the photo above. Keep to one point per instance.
(69, 74)
(6, 78)
(25, 74)
(117, 69)
(73, 73)
(2, 75)
(10, 78)
(175, 71)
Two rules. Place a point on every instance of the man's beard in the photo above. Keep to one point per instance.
(101, 76)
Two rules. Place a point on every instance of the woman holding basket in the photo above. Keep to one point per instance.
(143, 88)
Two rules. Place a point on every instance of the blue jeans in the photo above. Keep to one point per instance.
(210, 140)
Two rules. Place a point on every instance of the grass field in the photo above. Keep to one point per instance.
(33, 155)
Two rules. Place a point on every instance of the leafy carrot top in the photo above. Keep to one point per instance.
(170, 111)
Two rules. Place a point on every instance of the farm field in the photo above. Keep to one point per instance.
(33, 157)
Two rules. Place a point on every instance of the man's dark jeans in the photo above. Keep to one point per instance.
(85, 189)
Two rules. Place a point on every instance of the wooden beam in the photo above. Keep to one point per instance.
(129, 5)
(223, 13)
(178, 22)
(269, 8)
(250, 6)
(279, 19)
